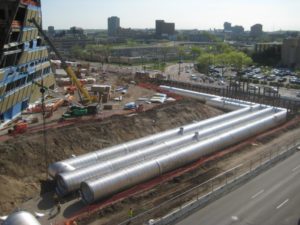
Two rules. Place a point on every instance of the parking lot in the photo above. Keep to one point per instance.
(282, 81)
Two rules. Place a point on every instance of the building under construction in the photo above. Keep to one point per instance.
(23, 57)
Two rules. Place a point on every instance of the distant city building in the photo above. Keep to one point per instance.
(256, 30)
(227, 26)
(51, 30)
(290, 54)
(237, 29)
(164, 29)
(113, 25)
(267, 46)
(76, 31)
(134, 33)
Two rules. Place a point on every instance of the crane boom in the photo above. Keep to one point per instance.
(65, 66)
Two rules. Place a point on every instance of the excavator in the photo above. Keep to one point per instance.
(89, 106)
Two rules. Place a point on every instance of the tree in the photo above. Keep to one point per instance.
(234, 59)
(210, 37)
(77, 51)
(196, 52)
(224, 61)
(204, 61)
(222, 47)
(181, 52)
(239, 59)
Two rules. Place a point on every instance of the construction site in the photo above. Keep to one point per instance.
(87, 143)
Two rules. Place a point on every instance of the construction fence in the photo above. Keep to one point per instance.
(240, 92)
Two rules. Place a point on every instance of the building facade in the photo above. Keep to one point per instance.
(290, 54)
(23, 60)
(237, 30)
(256, 30)
(227, 26)
(162, 28)
(113, 25)
(51, 31)
(267, 46)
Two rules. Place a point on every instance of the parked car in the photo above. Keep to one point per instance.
(193, 77)
(297, 81)
(282, 79)
(271, 77)
(270, 90)
(221, 82)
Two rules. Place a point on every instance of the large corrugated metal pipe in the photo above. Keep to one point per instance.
(123, 149)
(70, 181)
(93, 190)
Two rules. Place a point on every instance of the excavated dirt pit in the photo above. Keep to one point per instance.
(23, 159)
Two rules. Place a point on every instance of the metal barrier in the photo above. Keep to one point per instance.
(212, 189)
(242, 94)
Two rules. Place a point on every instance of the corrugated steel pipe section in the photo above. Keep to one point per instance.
(204, 96)
(70, 181)
(21, 218)
(93, 190)
(122, 149)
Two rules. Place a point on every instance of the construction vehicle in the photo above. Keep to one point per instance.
(18, 128)
(135, 107)
(87, 98)
(61, 100)
(78, 111)
(71, 89)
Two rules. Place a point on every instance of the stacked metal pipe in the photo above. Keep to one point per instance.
(120, 180)
(108, 171)
(70, 181)
(125, 148)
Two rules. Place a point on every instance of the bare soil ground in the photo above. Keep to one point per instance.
(23, 159)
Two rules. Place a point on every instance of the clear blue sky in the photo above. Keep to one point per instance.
(187, 14)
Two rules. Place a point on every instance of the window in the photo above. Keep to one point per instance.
(2, 14)
(21, 14)
(29, 77)
(39, 42)
(31, 44)
(9, 87)
(14, 37)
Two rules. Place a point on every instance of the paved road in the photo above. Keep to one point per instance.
(272, 198)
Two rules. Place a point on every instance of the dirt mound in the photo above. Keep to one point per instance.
(23, 160)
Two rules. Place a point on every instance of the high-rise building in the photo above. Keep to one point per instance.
(51, 30)
(163, 28)
(256, 30)
(113, 25)
(227, 26)
(290, 53)
(23, 59)
(237, 29)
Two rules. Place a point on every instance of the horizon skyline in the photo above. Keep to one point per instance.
(139, 14)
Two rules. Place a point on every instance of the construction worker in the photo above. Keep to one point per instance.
(58, 207)
(130, 213)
